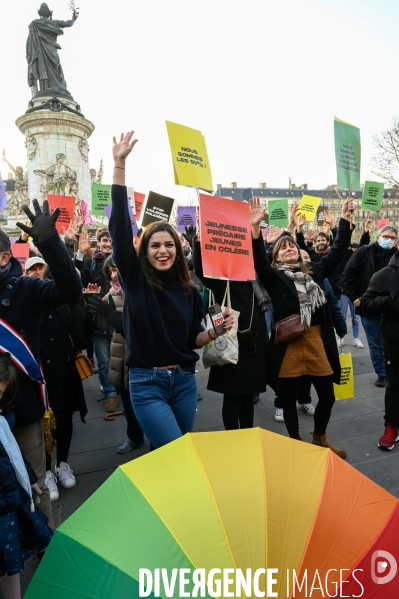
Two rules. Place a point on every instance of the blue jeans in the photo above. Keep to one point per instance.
(133, 431)
(344, 302)
(269, 318)
(164, 402)
(101, 345)
(371, 325)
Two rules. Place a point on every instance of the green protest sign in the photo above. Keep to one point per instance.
(100, 197)
(278, 213)
(372, 195)
(347, 154)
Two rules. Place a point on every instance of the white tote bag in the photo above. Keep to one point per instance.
(224, 349)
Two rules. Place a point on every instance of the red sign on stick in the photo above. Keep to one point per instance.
(226, 241)
(138, 201)
(20, 251)
(382, 223)
(67, 205)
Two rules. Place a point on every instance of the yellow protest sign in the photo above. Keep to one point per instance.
(308, 206)
(190, 158)
(346, 388)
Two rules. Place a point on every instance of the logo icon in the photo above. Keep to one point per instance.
(380, 560)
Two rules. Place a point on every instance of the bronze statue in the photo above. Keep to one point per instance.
(44, 64)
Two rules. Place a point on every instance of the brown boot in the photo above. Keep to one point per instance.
(111, 404)
(321, 441)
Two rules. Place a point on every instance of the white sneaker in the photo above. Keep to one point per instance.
(65, 475)
(307, 408)
(358, 343)
(51, 483)
(279, 415)
(342, 341)
(339, 342)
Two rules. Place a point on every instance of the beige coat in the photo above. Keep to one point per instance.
(119, 349)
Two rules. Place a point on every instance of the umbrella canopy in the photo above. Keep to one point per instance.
(228, 500)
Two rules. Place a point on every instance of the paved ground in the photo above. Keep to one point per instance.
(356, 425)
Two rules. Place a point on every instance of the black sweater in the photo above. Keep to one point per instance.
(161, 327)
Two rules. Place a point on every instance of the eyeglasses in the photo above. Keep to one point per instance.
(388, 237)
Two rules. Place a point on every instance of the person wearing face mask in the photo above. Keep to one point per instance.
(297, 289)
(364, 263)
(163, 315)
(382, 297)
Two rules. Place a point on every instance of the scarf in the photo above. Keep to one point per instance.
(262, 297)
(13, 451)
(4, 270)
(97, 255)
(310, 295)
(322, 252)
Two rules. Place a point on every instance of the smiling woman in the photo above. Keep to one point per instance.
(163, 317)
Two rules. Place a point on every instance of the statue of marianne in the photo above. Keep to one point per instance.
(44, 64)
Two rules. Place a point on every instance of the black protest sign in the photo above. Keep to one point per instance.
(158, 208)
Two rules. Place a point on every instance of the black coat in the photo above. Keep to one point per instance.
(64, 385)
(366, 261)
(382, 297)
(285, 300)
(248, 376)
(23, 300)
(91, 270)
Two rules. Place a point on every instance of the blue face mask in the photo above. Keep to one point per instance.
(386, 244)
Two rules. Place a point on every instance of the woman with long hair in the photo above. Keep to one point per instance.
(297, 288)
(163, 315)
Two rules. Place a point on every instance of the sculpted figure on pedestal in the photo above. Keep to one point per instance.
(44, 66)
(20, 195)
(59, 178)
(97, 178)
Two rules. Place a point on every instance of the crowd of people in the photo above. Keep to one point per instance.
(137, 311)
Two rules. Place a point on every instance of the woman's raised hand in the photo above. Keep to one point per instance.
(122, 149)
(256, 213)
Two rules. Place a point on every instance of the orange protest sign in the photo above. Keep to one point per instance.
(67, 205)
(226, 241)
(20, 251)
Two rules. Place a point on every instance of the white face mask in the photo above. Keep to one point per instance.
(386, 244)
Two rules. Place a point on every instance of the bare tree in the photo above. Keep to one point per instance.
(385, 162)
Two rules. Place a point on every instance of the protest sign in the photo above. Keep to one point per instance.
(382, 223)
(372, 195)
(100, 197)
(278, 213)
(308, 207)
(108, 210)
(86, 214)
(20, 251)
(138, 204)
(346, 387)
(226, 241)
(67, 205)
(186, 217)
(190, 157)
(347, 154)
(320, 215)
(375, 235)
(158, 208)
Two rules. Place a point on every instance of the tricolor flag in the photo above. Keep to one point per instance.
(3, 197)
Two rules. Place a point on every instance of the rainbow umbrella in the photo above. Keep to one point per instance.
(295, 514)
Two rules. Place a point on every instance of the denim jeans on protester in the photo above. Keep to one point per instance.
(371, 325)
(164, 402)
(344, 302)
(133, 431)
(269, 318)
(101, 345)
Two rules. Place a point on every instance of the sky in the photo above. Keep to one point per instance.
(262, 80)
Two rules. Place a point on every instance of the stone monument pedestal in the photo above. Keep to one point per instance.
(57, 149)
